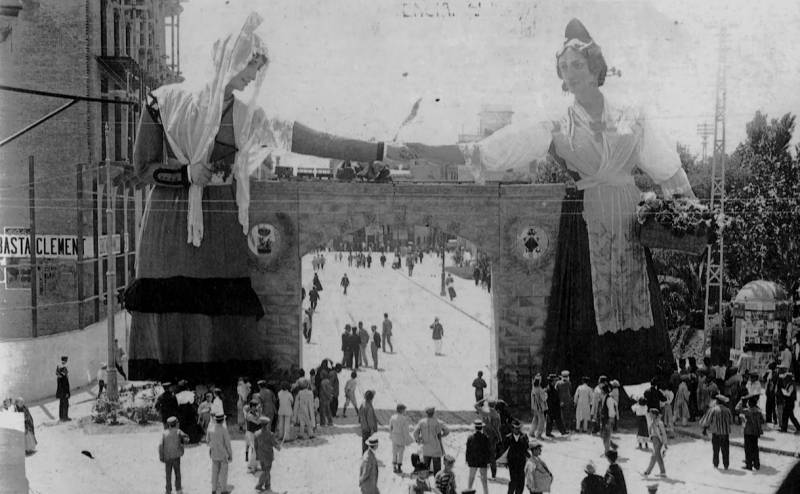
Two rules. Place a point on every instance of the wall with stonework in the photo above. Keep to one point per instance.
(294, 218)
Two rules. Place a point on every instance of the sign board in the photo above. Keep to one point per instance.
(15, 243)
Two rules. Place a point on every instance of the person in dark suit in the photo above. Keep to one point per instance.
(517, 456)
(62, 389)
(553, 408)
(478, 455)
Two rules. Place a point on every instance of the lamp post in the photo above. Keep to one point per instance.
(443, 252)
(111, 275)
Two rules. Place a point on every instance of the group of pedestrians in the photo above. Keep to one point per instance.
(356, 339)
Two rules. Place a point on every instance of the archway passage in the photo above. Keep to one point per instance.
(408, 369)
(301, 216)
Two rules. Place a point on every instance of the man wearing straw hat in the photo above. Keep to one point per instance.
(718, 418)
(517, 456)
(368, 473)
(537, 476)
(478, 455)
(219, 449)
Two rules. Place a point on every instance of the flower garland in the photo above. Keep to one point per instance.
(682, 215)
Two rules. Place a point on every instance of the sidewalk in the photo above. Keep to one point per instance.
(772, 441)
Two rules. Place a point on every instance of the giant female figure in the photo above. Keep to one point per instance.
(194, 310)
(605, 314)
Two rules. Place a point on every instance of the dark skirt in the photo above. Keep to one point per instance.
(194, 310)
(571, 340)
(641, 426)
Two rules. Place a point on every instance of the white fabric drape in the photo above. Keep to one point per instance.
(191, 118)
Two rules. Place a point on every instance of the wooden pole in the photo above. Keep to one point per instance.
(111, 278)
(79, 264)
(32, 239)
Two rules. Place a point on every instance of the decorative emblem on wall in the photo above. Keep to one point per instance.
(264, 241)
(533, 242)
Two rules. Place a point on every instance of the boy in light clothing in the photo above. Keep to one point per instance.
(350, 394)
(400, 434)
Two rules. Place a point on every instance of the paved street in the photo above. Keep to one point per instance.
(125, 458)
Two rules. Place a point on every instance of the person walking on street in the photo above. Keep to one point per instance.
(313, 297)
(753, 421)
(368, 472)
(681, 402)
(367, 419)
(608, 415)
(253, 415)
(355, 346)
(492, 423)
(564, 390)
(62, 389)
(383, 260)
(350, 394)
(265, 444)
(718, 419)
(325, 397)
(592, 483)
(478, 455)
(789, 394)
(345, 283)
(304, 409)
(517, 445)
(386, 332)
(538, 408)
(219, 449)
(583, 405)
(347, 355)
(374, 345)
(285, 410)
(363, 338)
(400, 435)
(614, 478)
(658, 436)
(429, 433)
(479, 384)
(554, 408)
(437, 332)
(170, 451)
(307, 324)
(333, 375)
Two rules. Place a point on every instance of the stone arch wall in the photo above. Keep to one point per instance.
(299, 216)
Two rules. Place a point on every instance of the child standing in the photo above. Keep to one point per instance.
(642, 435)
(265, 442)
(399, 433)
(753, 420)
(350, 394)
(445, 480)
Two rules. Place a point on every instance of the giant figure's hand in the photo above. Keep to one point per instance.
(200, 173)
(396, 151)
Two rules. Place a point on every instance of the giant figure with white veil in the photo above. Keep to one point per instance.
(194, 310)
(605, 314)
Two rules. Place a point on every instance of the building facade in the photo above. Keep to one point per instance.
(53, 176)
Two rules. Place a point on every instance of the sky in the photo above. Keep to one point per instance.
(356, 67)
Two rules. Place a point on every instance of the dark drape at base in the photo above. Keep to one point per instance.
(183, 294)
(571, 340)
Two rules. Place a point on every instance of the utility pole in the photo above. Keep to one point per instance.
(443, 254)
(704, 130)
(111, 275)
(715, 261)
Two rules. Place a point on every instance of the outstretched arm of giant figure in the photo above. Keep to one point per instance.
(511, 149)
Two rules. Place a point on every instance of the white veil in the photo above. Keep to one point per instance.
(191, 118)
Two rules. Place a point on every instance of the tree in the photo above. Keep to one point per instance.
(763, 242)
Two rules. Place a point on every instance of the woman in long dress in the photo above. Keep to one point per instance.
(195, 313)
(30, 434)
(605, 314)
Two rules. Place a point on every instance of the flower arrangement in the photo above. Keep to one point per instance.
(681, 223)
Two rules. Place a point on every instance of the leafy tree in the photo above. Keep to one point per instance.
(764, 240)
